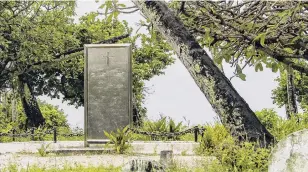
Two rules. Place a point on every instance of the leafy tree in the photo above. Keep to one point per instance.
(32, 33)
(260, 34)
(42, 52)
(252, 33)
(239, 37)
(280, 94)
(12, 115)
(232, 109)
(149, 60)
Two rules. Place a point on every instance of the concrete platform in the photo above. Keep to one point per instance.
(23, 161)
(138, 147)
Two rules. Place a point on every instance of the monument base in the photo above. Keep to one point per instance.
(94, 141)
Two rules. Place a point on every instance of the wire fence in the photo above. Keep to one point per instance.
(35, 133)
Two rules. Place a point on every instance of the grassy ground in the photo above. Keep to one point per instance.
(80, 168)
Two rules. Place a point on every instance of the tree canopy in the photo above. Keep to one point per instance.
(262, 34)
(42, 51)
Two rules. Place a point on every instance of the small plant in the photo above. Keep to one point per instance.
(155, 150)
(120, 139)
(163, 125)
(43, 149)
(184, 153)
(175, 128)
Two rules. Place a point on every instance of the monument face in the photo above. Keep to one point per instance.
(108, 89)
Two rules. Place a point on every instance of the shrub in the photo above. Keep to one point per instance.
(162, 125)
(120, 139)
(231, 155)
(279, 126)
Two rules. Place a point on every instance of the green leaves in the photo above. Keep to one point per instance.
(258, 67)
(240, 73)
(261, 38)
(250, 51)
(288, 50)
(242, 76)
(120, 139)
(52, 114)
(275, 67)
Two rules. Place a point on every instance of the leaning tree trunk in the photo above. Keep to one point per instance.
(291, 106)
(232, 109)
(30, 105)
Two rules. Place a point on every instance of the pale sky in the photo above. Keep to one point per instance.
(175, 94)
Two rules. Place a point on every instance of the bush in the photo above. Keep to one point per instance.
(162, 125)
(231, 155)
(279, 126)
(120, 139)
(245, 156)
(52, 114)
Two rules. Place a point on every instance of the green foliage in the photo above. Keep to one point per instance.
(231, 155)
(301, 89)
(26, 42)
(159, 125)
(25, 25)
(120, 139)
(67, 168)
(244, 39)
(234, 156)
(53, 115)
(43, 149)
(268, 118)
(162, 125)
(281, 127)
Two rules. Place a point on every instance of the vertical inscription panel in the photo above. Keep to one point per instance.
(107, 89)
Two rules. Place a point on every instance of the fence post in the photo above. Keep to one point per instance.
(55, 134)
(32, 133)
(13, 135)
(196, 134)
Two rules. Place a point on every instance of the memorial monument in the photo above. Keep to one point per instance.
(107, 90)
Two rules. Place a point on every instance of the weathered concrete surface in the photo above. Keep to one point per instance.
(108, 88)
(138, 147)
(22, 161)
(142, 165)
(291, 154)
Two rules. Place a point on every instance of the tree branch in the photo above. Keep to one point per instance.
(109, 41)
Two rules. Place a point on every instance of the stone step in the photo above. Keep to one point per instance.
(138, 147)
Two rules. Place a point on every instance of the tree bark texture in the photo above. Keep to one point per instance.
(232, 109)
(30, 105)
(291, 106)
